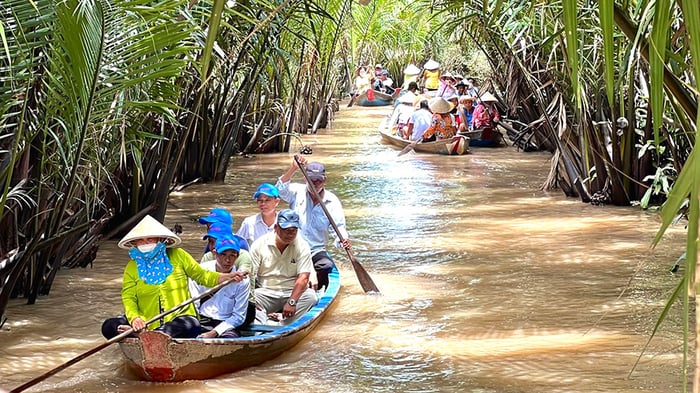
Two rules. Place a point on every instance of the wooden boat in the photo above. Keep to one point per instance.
(457, 145)
(155, 356)
(380, 99)
(487, 137)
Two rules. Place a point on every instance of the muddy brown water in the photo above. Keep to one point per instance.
(488, 283)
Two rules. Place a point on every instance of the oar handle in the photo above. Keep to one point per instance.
(118, 337)
(366, 281)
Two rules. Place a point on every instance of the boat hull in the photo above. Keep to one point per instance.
(456, 145)
(488, 137)
(380, 99)
(155, 356)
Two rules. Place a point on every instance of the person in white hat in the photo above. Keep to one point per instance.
(443, 122)
(431, 76)
(486, 114)
(410, 74)
(156, 279)
(403, 111)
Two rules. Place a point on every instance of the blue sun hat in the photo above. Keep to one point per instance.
(267, 189)
(226, 244)
(217, 230)
(217, 215)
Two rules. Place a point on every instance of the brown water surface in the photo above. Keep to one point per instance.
(488, 284)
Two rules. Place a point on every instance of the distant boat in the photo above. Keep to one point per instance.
(457, 145)
(155, 356)
(379, 99)
(486, 137)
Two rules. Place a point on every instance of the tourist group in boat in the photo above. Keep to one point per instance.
(431, 105)
(277, 262)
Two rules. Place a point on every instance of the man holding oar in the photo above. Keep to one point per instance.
(315, 224)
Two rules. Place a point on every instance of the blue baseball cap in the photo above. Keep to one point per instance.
(242, 243)
(226, 243)
(267, 189)
(218, 230)
(288, 218)
(217, 215)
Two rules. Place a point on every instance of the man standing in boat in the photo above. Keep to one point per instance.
(282, 264)
(315, 225)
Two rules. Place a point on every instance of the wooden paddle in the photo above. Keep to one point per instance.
(366, 281)
(408, 148)
(117, 338)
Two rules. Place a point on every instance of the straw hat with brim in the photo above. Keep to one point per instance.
(431, 65)
(408, 98)
(439, 105)
(488, 97)
(446, 74)
(411, 69)
(149, 227)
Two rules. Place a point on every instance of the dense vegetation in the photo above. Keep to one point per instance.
(108, 105)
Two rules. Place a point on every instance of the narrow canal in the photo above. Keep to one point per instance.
(489, 284)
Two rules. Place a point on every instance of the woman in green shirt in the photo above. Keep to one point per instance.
(156, 279)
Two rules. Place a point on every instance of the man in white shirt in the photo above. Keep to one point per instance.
(226, 310)
(315, 225)
(282, 265)
(267, 197)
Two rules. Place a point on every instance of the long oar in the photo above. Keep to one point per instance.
(119, 337)
(366, 281)
(408, 148)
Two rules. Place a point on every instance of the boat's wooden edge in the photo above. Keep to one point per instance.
(272, 332)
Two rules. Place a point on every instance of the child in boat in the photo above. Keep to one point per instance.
(465, 110)
(242, 264)
(226, 310)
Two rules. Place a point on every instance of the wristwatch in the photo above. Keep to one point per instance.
(292, 302)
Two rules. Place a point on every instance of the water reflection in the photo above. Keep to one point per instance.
(488, 284)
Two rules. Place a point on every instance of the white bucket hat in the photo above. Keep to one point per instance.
(439, 105)
(411, 69)
(149, 227)
(431, 65)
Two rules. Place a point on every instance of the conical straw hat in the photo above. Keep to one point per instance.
(149, 227)
(407, 98)
(411, 69)
(431, 65)
(488, 97)
(439, 105)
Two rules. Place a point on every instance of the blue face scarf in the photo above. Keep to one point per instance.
(153, 266)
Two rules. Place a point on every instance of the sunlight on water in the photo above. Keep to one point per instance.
(488, 284)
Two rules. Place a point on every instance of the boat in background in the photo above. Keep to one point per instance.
(487, 137)
(374, 98)
(457, 145)
(155, 356)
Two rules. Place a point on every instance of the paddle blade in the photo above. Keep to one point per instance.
(406, 149)
(363, 277)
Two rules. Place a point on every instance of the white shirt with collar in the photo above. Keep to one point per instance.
(254, 227)
(229, 305)
(315, 226)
